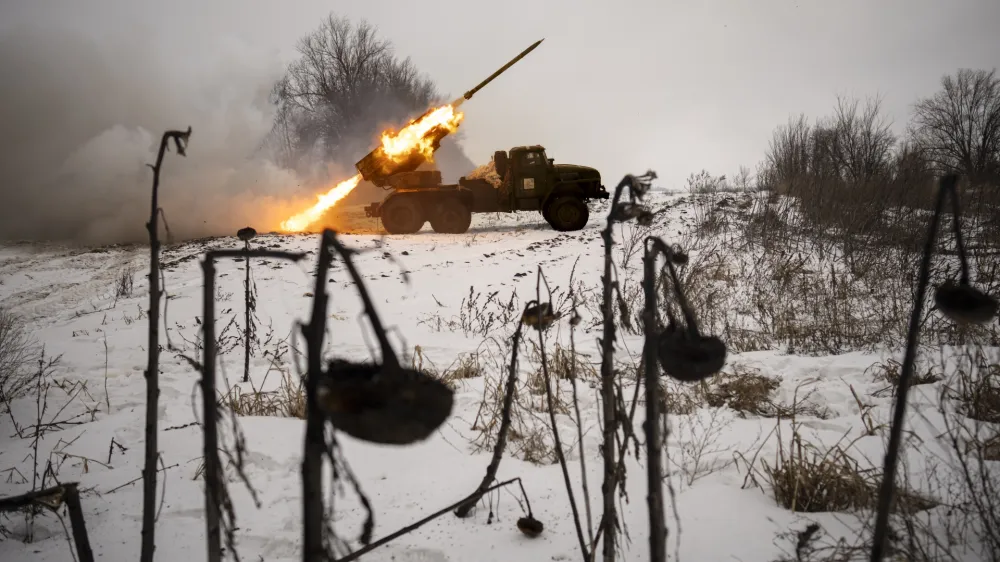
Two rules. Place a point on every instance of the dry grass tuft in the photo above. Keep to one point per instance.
(806, 479)
(980, 394)
(890, 369)
(465, 366)
(750, 392)
(564, 365)
(746, 391)
(287, 401)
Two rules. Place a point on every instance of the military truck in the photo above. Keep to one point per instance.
(530, 181)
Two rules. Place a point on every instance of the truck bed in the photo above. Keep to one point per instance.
(485, 197)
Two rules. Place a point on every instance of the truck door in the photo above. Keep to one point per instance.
(530, 166)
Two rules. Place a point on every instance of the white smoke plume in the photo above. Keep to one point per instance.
(82, 118)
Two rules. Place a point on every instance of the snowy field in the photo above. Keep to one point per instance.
(718, 455)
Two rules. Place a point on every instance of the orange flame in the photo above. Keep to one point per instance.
(417, 137)
(301, 221)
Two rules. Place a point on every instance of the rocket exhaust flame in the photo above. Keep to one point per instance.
(301, 221)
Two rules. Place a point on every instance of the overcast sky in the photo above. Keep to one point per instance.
(622, 86)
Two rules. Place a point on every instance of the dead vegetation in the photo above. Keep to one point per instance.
(744, 390)
(977, 390)
(58, 405)
(804, 478)
(889, 371)
(18, 351)
(747, 392)
(287, 400)
(466, 366)
(528, 437)
(125, 282)
(479, 314)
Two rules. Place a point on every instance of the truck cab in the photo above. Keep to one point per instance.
(531, 181)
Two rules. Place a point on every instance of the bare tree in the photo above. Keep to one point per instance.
(346, 87)
(788, 154)
(863, 140)
(959, 126)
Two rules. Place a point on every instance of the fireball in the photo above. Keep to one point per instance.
(415, 138)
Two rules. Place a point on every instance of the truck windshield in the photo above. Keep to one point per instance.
(534, 158)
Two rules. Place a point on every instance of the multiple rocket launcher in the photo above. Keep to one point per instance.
(377, 167)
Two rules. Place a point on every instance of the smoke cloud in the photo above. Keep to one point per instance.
(83, 118)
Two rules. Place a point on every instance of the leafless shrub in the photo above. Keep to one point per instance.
(47, 491)
(795, 286)
(695, 447)
(125, 282)
(681, 399)
(528, 436)
(631, 236)
(501, 424)
(479, 315)
(967, 406)
(709, 204)
(553, 369)
(18, 352)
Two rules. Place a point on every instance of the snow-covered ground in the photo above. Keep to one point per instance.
(68, 298)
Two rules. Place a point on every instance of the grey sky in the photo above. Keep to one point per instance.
(673, 86)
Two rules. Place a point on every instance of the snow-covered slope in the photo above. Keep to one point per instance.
(69, 299)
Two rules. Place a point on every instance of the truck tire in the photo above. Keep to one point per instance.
(402, 215)
(451, 217)
(567, 213)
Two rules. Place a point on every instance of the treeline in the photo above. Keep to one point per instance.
(849, 170)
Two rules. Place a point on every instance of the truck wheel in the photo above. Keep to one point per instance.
(402, 215)
(567, 213)
(452, 217)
